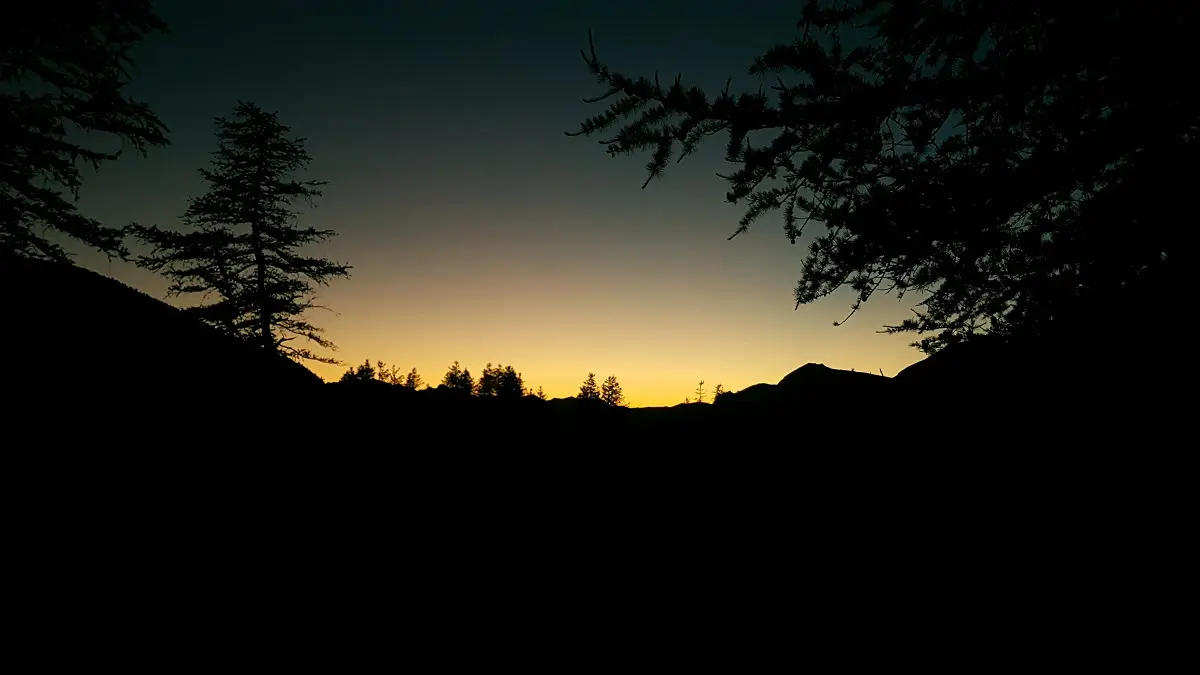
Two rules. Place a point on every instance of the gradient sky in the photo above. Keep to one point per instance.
(478, 232)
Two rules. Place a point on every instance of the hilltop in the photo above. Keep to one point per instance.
(77, 334)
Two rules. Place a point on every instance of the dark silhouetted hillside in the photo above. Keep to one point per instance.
(80, 334)
(214, 411)
(809, 384)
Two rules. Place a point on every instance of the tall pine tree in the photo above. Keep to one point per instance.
(241, 246)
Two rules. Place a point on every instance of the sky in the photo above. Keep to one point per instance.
(477, 231)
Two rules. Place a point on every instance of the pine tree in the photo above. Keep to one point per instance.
(63, 70)
(540, 394)
(509, 383)
(1018, 167)
(589, 389)
(453, 373)
(363, 373)
(389, 374)
(501, 381)
(700, 392)
(488, 381)
(457, 377)
(413, 380)
(610, 392)
(241, 242)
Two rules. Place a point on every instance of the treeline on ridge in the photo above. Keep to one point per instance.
(499, 381)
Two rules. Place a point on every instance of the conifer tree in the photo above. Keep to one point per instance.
(389, 374)
(241, 246)
(413, 380)
(488, 381)
(1016, 166)
(457, 377)
(357, 374)
(610, 392)
(500, 381)
(63, 68)
(589, 389)
(540, 394)
(511, 384)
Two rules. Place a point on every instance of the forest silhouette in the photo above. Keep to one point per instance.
(1021, 170)
(1016, 169)
(1020, 166)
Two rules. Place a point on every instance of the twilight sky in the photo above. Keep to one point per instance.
(478, 232)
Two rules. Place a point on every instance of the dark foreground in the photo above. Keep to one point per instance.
(484, 532)
(982, 509)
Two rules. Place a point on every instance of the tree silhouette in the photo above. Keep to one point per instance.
(501, 381)
(363, 373)
(389, 374)
(540, 394)
(589, 389)
(380, 372)
(718, 390)
(64, 70)
(242, 241)
(459, 378)
(413, 380)
(487, 384)
(610, 391)
(997, 163)
(700, 392)
(510, 384)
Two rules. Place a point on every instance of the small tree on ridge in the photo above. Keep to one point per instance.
(412, 380)
(457, 377)
(610, 392)
(588, 389)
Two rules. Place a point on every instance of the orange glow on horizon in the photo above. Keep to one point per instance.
(486, 235)
(554, 334)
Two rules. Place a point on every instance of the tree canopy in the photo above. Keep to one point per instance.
(610, 391)
(413, 380)
(457, 377)
(63, 70)
(1015, 165)
(589, 389)
(359, 374)
(242, 245)
(500, 381)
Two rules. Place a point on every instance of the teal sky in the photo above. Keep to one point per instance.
(479, 232)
